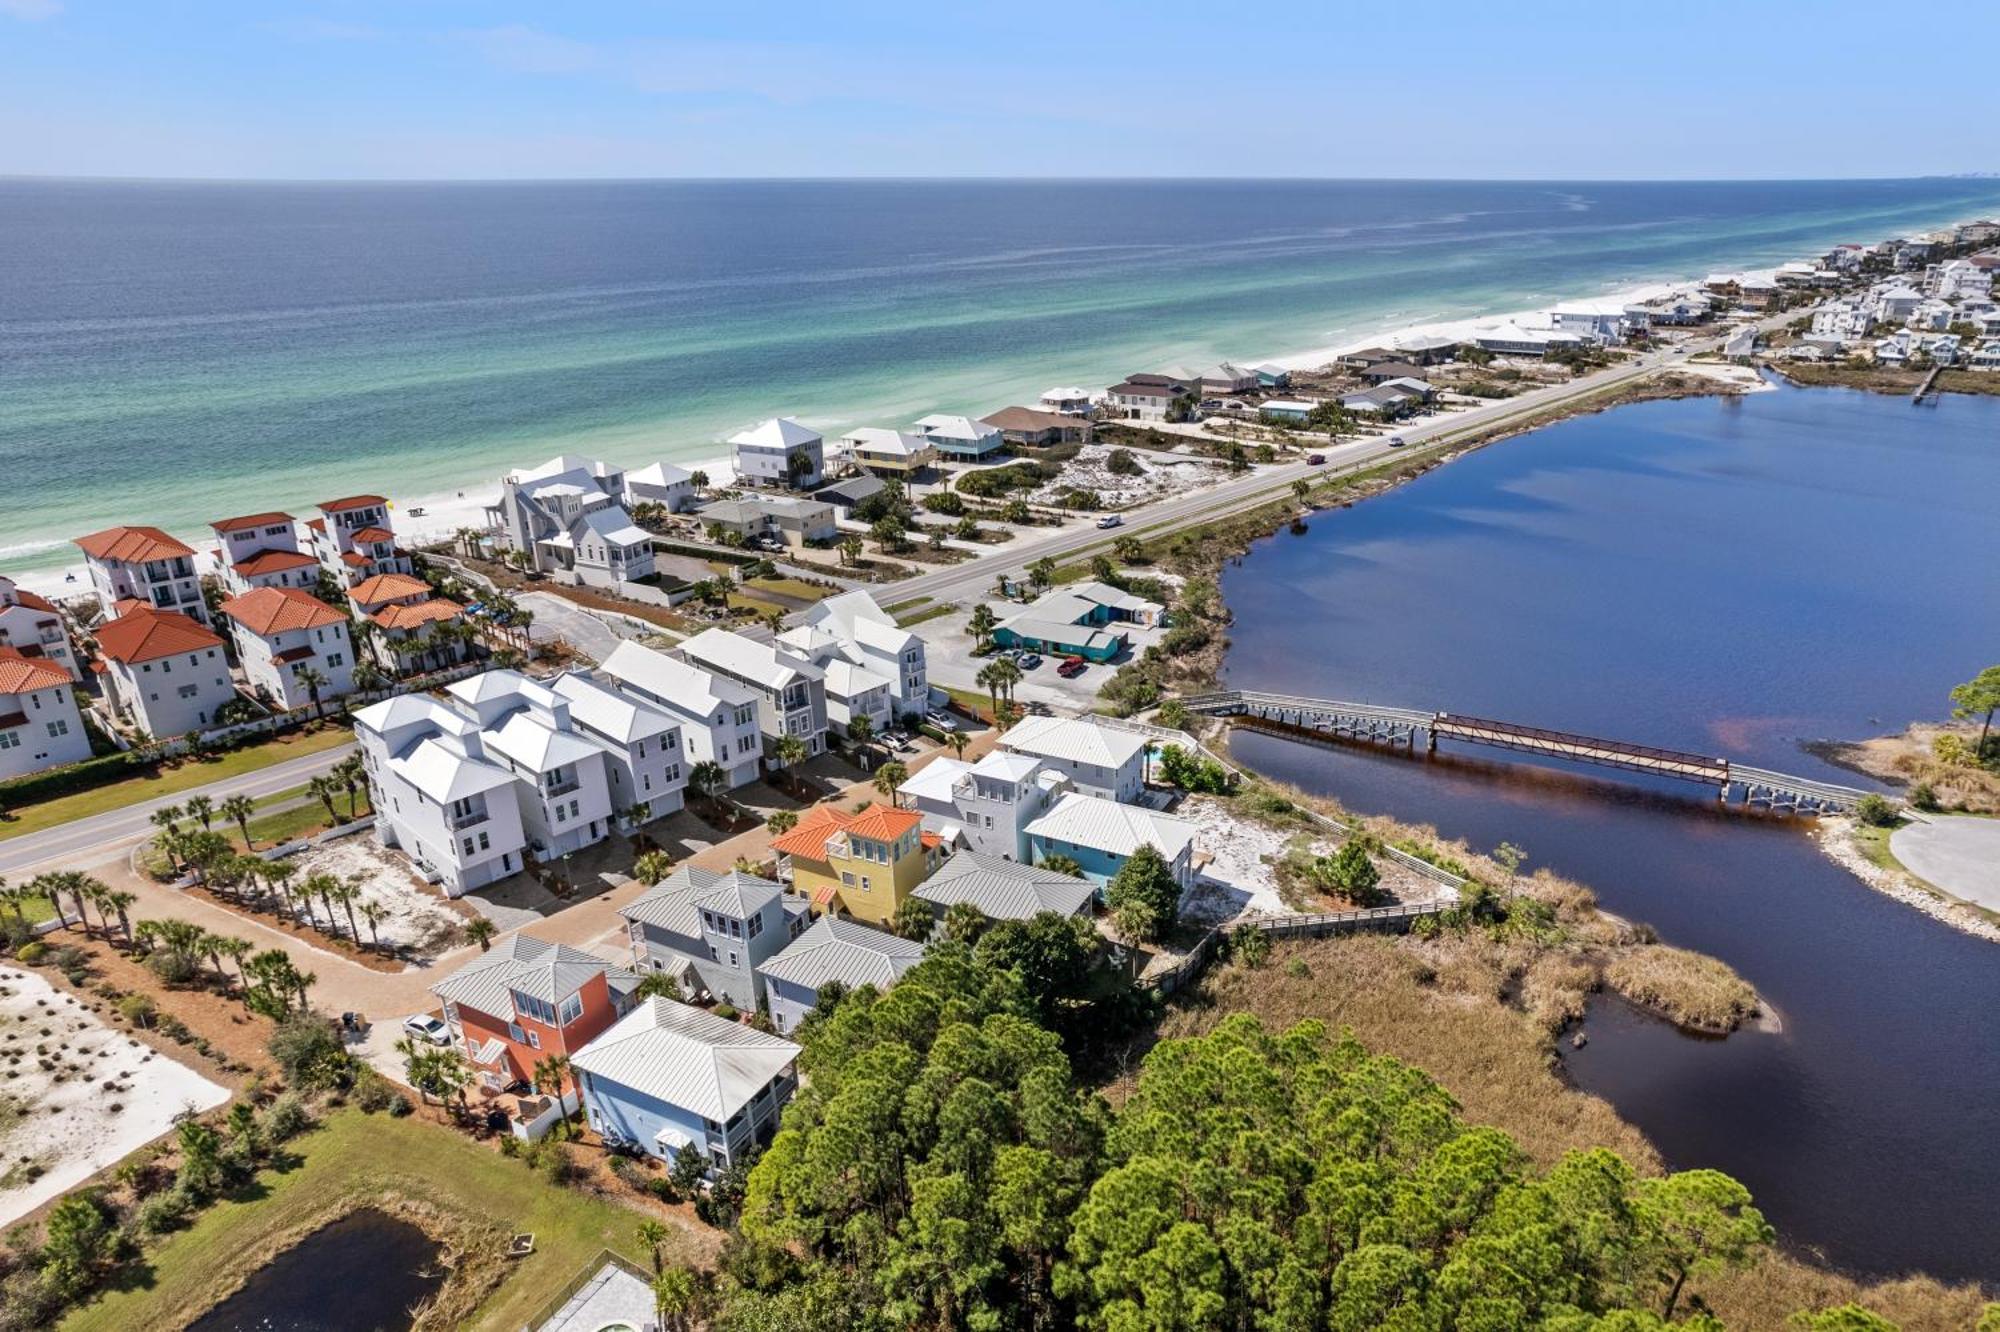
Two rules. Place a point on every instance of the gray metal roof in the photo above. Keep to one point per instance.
(686, 1057)
(676, 901)
(1005, 889)
(843, 951)
(547, 971)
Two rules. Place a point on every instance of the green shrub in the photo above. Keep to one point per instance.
(1876, 812)
(85, 776)
(163, 1211)
(31, 953)
(286, 1119)
(1924, 797)
(373, 1092)
(1250, 945)
(726, 1011)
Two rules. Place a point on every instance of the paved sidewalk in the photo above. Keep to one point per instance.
(1956, 853)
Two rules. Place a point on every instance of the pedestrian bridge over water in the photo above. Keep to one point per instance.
(1400, 726)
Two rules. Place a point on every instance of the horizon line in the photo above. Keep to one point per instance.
(95, 178)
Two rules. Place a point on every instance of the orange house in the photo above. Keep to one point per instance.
(525, 1000)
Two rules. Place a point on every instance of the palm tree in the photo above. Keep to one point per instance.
(325, 788)
(654, 1236)
(238, 809)
(352, 774)
(789, 751)
(676, 1299)
(236, 950)
(167, 818)
(119, 903)
(418, 1061)
(982, 623)
(279, 874)
(481, 931)
(890, 776)
(203, 808)
(781, 821)
(1301, 488)
(850, 550)
(320, 886)
(551, 1076)
(346, 895)
(699, 480)
(652, 867)
(374, 913)
(707, 778)
(989, 680)
(956, 739)
(1007, 674)
(212, 946)
(16, 898)
(861, 731)
(368, 677)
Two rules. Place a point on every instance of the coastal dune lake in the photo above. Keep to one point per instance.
(1732, 577)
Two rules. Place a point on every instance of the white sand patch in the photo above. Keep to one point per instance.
(1160, 477)
(416, 917)
(1743, 377)
(1239, 879)
(75, 1095)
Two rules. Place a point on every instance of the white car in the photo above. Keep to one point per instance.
(427, 1028)
(1110, 520)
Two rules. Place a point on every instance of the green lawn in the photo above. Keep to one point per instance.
(306, 816)
(900, 607)
(358, 1158)
(169, 781)
(789, 587)
(927, 613)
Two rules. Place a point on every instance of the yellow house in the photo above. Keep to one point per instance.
(860, 865)
(890, 451)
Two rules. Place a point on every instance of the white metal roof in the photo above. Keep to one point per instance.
(611, 523)
(674, 683)
(935, 779)
(1005, 889)
(659, 474)
(688, 1058)
(844, 951)
(1106, 825)
(605, 710)
(780, 432)
(526, 737)
(1074, 740)
(746, 658)
(446, 775)
(893, 443)
(941, 425)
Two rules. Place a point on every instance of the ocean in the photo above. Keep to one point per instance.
(173, 353)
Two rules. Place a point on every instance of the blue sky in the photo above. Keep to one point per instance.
(458, 88)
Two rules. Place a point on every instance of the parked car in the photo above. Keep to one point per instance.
(1111, 520)
(1029, 662)
(1397, 441)
(1315, 459)
(427, 1028)
(1072, 667)
(944, 721)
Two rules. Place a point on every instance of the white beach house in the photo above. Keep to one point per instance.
(779, 452)
(166, 674)
(718, 717)
(40, 726)
(144, 565)
(293, 647)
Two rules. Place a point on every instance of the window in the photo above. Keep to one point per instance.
(571, 1010)
(9, 740)
(756, 925)
(468, 846)
(732, 957)
(534, 1041)
(58, 728)
(189, 691)
(736, 929)
(484, 842)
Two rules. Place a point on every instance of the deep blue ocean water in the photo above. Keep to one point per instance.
(173, 352)
(1735, 577)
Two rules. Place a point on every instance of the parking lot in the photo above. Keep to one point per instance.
(951, 662)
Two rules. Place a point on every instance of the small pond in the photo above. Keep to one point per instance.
(362, 1273)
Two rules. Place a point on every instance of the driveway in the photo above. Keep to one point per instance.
(1958, 854)
(592, 635)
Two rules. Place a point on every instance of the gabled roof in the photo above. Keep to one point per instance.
(445, 775)
(23, 597)
(146, 634)
(675, 683)
(843, 951)
(273, 610)
(1106, 825)
(942, 425)
(378, 588)
(1064, 393)
(1028, 418)
(551, 972)
(435, 610)
(687, 1058)
(675, 901)
(894, 443)
(132, 545)
(373, 535)
(935, 780)
(527, 739)
(780, 432)
(350, 502)
(613, 525)
(1005, 889)
(272, 561)
(21, 674)
(746, 658)
(603, 709)
(1074, 740)
(252, 520)
(659, 474)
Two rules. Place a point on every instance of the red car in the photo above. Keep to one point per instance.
(1072, 667)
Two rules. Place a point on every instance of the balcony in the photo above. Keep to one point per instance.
(460, 822)
(560, 789)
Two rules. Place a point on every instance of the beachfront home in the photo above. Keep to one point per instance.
(293, 647)
(407, 617)
(791, 691)
(1065, 400)
(1600, 324)
(641, 744)
(1383, 400)
(1426, 348)
(1147, 397)
(167, 673)
(40, 726)
(1510, 339)
(668, 1078)
(779, 452)
(893, 453)
(353, 540)
(146, 565)
(31, 625)
(1271, 375)
(562, 776)
(869, 636)
(985, 805)
(711, 932)
(262, 550)
(568, 518)
(861, 865)
(1097, 759)
(1026, 428)
(1006, 889)
(1226, 379)
(661, 483)
(718, 717)
(526, 1000)
(961, 437)
(1101, 835)
(848, 493)
(437, 795)
(856, 691)
(832, 952)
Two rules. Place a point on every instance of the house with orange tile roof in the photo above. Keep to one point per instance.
(40, 726)
(861, 865)
(32, 626)
(353, 539)
(262, 550)
(164, 672)
(406, 613)
(144, 564)
(294, 648)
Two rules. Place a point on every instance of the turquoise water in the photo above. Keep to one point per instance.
(170, 353)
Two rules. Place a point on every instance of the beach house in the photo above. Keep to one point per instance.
(779, 452)
(862, 864)
(718, 717)
(437, 795)
(1101, 835)
(353, 540)
(870, 636)
(294, 648)
(1005, 889)
(832, 952)
(960, 437)
(1272, 376)
(893, 453)
(1065, 400)
(1098, 760)
(562, 777)
(661, 483)
(711, 931)
(985, 805)
(1226, 378)
(567, 518)
(31, 625)
(526, 1000)
(668, 1078)
(262, 550)
(407, 615)
(145, 565)
(791, 691)
(641, 744)
(1146, 397)
(40, 726)
(1026, 428)
(795, 520)
(166, 673)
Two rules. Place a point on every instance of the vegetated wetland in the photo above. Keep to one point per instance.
(1732, 576)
